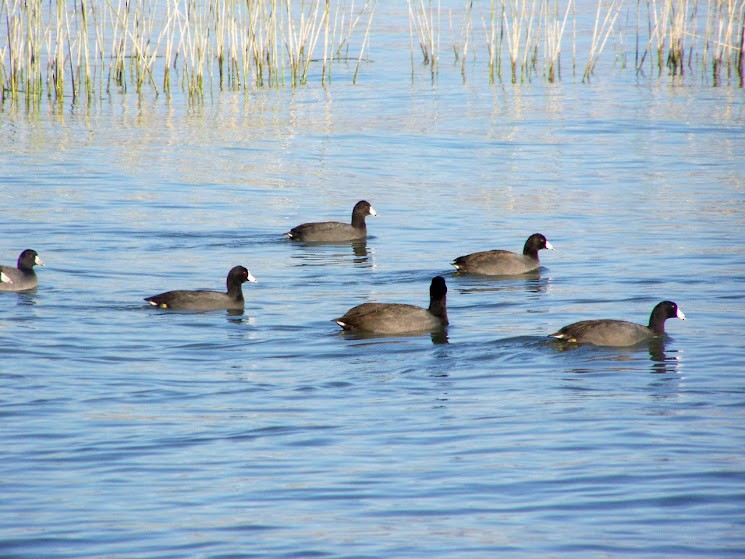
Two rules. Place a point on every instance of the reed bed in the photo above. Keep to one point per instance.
(81, 49)
(525, 39)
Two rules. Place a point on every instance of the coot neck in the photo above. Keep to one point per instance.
(25, 268)
(657, 322)
(235, 289)
(358, 220)
(438, 308)
(530, 250)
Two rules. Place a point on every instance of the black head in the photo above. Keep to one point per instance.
(661, 312)
(668, 309)
(28, 259)
(438, 299)
(239, 275)
(535, 243)
(438, 289)
(363, 207)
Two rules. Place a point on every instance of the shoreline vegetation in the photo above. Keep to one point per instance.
(83, 49)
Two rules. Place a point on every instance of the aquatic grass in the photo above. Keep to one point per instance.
(528, 36)
(519, 20)
(72, 47)
(675, 40)
(605, 18)
(461, 38)
(526, 29)
(78, 49)
(727, 44)
(424, 24)
(365, 40)
(554, 25)
(302, 37)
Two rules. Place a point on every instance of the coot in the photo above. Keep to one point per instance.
(396, 318)
(607, 332)
(23, 276)
(335, 231)
(203, 300)
(504, 262)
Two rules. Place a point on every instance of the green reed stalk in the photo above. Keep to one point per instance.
(167, 32)
(422, 20)
(74, 77)
(492, 45)
(554, 35)
(467, 36)
(85, 49)
(265, 42)
(600, 34)
(100, 65)
(460, 50)
(310, 39)
(365, 42)
(58, 72)
(741, 54)
(325, 69)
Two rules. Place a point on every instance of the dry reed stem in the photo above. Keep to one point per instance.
(600, 34)
(82, 48)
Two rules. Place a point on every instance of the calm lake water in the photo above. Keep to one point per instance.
(134, 432)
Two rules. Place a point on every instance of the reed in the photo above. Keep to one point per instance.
(74, 47)
(520, 34)
(424, 24)
(605, 18)
(80, 49)
(554, 25)
(675, 39)
(365, 40)
(460, 47)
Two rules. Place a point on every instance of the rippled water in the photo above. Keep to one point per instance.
(134, 432)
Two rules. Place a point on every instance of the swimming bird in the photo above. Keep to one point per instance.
(203, 300)
(397, 318)
(504, 262)
(23, 276)
(608, 332)
(335, 231)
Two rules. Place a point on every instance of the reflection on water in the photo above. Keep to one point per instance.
(664, 361)
(323, 253)
(532, 282)
(438, 336)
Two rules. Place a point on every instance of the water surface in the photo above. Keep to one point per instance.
(136, 432)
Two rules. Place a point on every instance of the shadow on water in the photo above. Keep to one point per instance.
(438, 337)
(26, 298)
(663, 360)
(322, 253)
(532, 282)
(234, 315)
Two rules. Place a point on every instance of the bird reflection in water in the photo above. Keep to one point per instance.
(663, 361)
(322, 253)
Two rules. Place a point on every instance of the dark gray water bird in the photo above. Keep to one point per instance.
(335, 231)
(23, 276)
(504, 262)
(397, 318)
(608, 332)
(203, 300)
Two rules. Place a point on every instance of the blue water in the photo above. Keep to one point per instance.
(134, 432)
